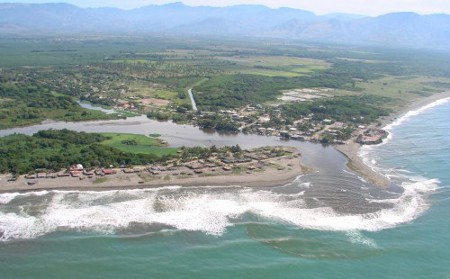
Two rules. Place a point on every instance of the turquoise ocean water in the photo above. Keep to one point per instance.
(294, 231)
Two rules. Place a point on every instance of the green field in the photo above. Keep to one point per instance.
(400, 88)
(59, 149)
(224, 73)
(137, 144)
(276, 66)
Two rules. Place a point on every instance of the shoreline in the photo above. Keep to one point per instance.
(413, 105)
(352, 149)
(276, 172)
(266, 178)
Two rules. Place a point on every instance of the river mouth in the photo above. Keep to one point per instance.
(330, 191)
(310, 202)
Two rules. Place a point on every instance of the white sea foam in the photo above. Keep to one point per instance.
(7, 197)
(411, 114)
(210, 212)
(357, 237)
(367, 152)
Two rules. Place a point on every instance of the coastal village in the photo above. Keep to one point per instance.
(281, 160)
(261, 119)
(269, 120)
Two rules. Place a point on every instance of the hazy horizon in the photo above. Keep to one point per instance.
(361, 7)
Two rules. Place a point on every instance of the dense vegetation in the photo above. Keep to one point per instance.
(132, 143)
(56, 149)
(238, 90)
(219, 123)
(350, 109)
(133, 72)
(28, 103)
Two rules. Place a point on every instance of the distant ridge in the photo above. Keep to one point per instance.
(395, 29)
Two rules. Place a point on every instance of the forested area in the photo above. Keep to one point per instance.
(219, 123)
(362, 109)
(231, 91)
(152, 76)
(28, 103)
(57, 149)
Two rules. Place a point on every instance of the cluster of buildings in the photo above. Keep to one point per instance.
(74, 171)
(372, 136)
(248, 161)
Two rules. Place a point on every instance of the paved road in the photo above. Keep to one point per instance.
(194, 106)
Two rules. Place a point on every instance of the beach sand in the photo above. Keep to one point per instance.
(270, 176)
(357, 165)
(351, 148)
(276, 172)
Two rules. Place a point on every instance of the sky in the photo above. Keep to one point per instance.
(320, 7)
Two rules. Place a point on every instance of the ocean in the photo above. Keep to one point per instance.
(328, 224)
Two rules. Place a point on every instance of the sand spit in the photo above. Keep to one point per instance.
(351, 148)
(266, 173)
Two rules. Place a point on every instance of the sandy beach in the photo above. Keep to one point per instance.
(276, 172)
(351, 148)
(282, 171)
(356, 164)
(413, 105)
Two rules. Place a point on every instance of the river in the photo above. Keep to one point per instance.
(329, 165)
(325, 224)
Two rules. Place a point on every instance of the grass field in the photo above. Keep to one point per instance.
(400, 88)
(223, 72)
(147, 90)
(137, 144)
(10, 119)
(276, 66)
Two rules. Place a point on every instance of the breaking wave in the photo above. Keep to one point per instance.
(210, 210)
(213, 209)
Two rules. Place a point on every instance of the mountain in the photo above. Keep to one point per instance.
(395, 29)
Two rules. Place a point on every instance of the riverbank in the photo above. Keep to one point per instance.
(184, 135)
(352, 149)
(357, 165)
(267, 173)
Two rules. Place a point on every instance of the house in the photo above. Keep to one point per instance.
(30, 176)
(77, 167)
(194, 166)
(63, 174)
(109, 171)
(88, 172)
(76, 173)
(338, 124)
(41, 175)
(130, 171)
(226, 168)
(264, 119)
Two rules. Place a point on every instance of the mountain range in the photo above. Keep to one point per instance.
(395, 29)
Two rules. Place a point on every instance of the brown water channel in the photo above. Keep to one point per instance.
(332, 184)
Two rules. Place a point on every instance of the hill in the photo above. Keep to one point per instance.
(395, 29)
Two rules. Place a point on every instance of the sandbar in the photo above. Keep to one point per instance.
(272, 172)
(351, 149)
